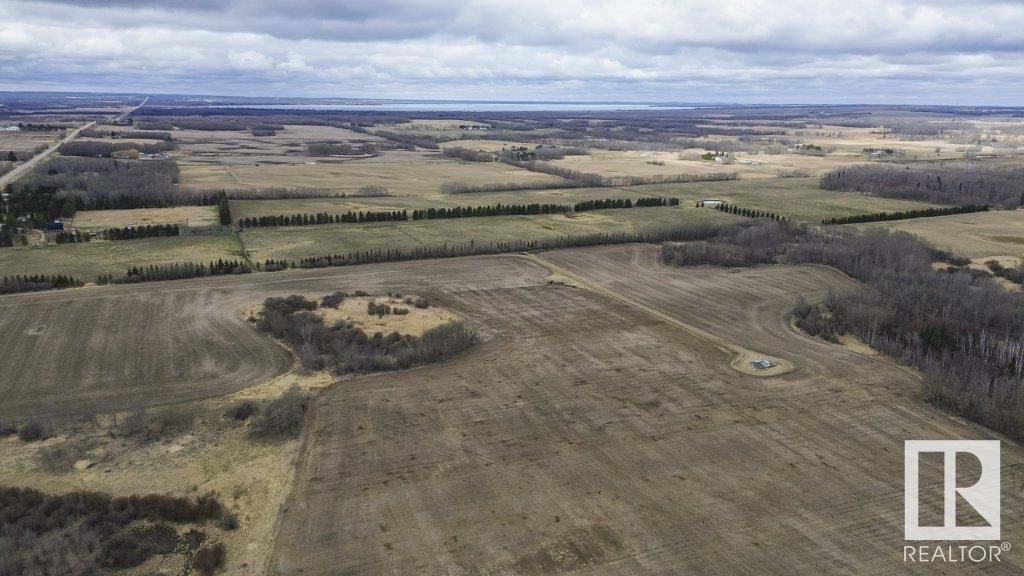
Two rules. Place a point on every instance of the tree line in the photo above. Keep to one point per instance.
(37, 282)
(147, 231)
(156, 272)
(748, 212)
(107, 149)
(961, 183)
(452, 212)
(495, 210)
(72, 237)
(323, 218)
(906, 214)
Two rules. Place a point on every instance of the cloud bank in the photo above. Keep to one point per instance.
(642, 50)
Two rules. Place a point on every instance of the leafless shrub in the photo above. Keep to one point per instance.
(60, 458)
(209, 559)
(282, 416)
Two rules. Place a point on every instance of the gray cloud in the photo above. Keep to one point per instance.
(826, 51)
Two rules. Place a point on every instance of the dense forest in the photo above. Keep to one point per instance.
(951, 183)
(66, 184)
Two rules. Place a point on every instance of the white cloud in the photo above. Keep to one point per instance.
(742, 50)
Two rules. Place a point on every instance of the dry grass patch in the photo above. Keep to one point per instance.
(94, 220)
(415, 322)
(980, 235)
(412, 178)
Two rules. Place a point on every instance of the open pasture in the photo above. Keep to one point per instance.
(413, 178)
(86, 261)
(25, 141)
(980, 235)
(190, 216)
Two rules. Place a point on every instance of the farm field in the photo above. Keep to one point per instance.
(195, 344)
(203, 147)
(95, 220)
(980, 235)
(486, 145)
(415, 178)
(584, 435)
(25, 141)
(639, 163)
(295, 242)
(797, 198)
(546, 451)
(88, 260)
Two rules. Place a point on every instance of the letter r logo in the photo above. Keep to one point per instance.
(983, 496)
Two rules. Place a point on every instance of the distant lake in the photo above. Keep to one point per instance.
(462, 106)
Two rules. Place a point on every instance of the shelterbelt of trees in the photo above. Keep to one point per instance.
(453, 212)
(906, 214)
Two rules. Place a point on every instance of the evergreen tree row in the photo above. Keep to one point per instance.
(73, 237)
(147, 231)
(602, 204)
(323, 218)
(647, 202)
(177, 271)
(661, 234)
(749, 213)
(495, 210)
(37, 282)
(906, 214)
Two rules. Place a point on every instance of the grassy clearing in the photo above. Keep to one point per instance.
(978, 235)
(89, 260)
(186, 215)
(302, 241)
(412, 178)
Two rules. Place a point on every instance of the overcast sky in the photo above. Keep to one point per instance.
(850, 51)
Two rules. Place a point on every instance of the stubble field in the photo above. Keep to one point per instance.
(585, 435)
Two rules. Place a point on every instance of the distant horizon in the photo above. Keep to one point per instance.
(372, 100)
